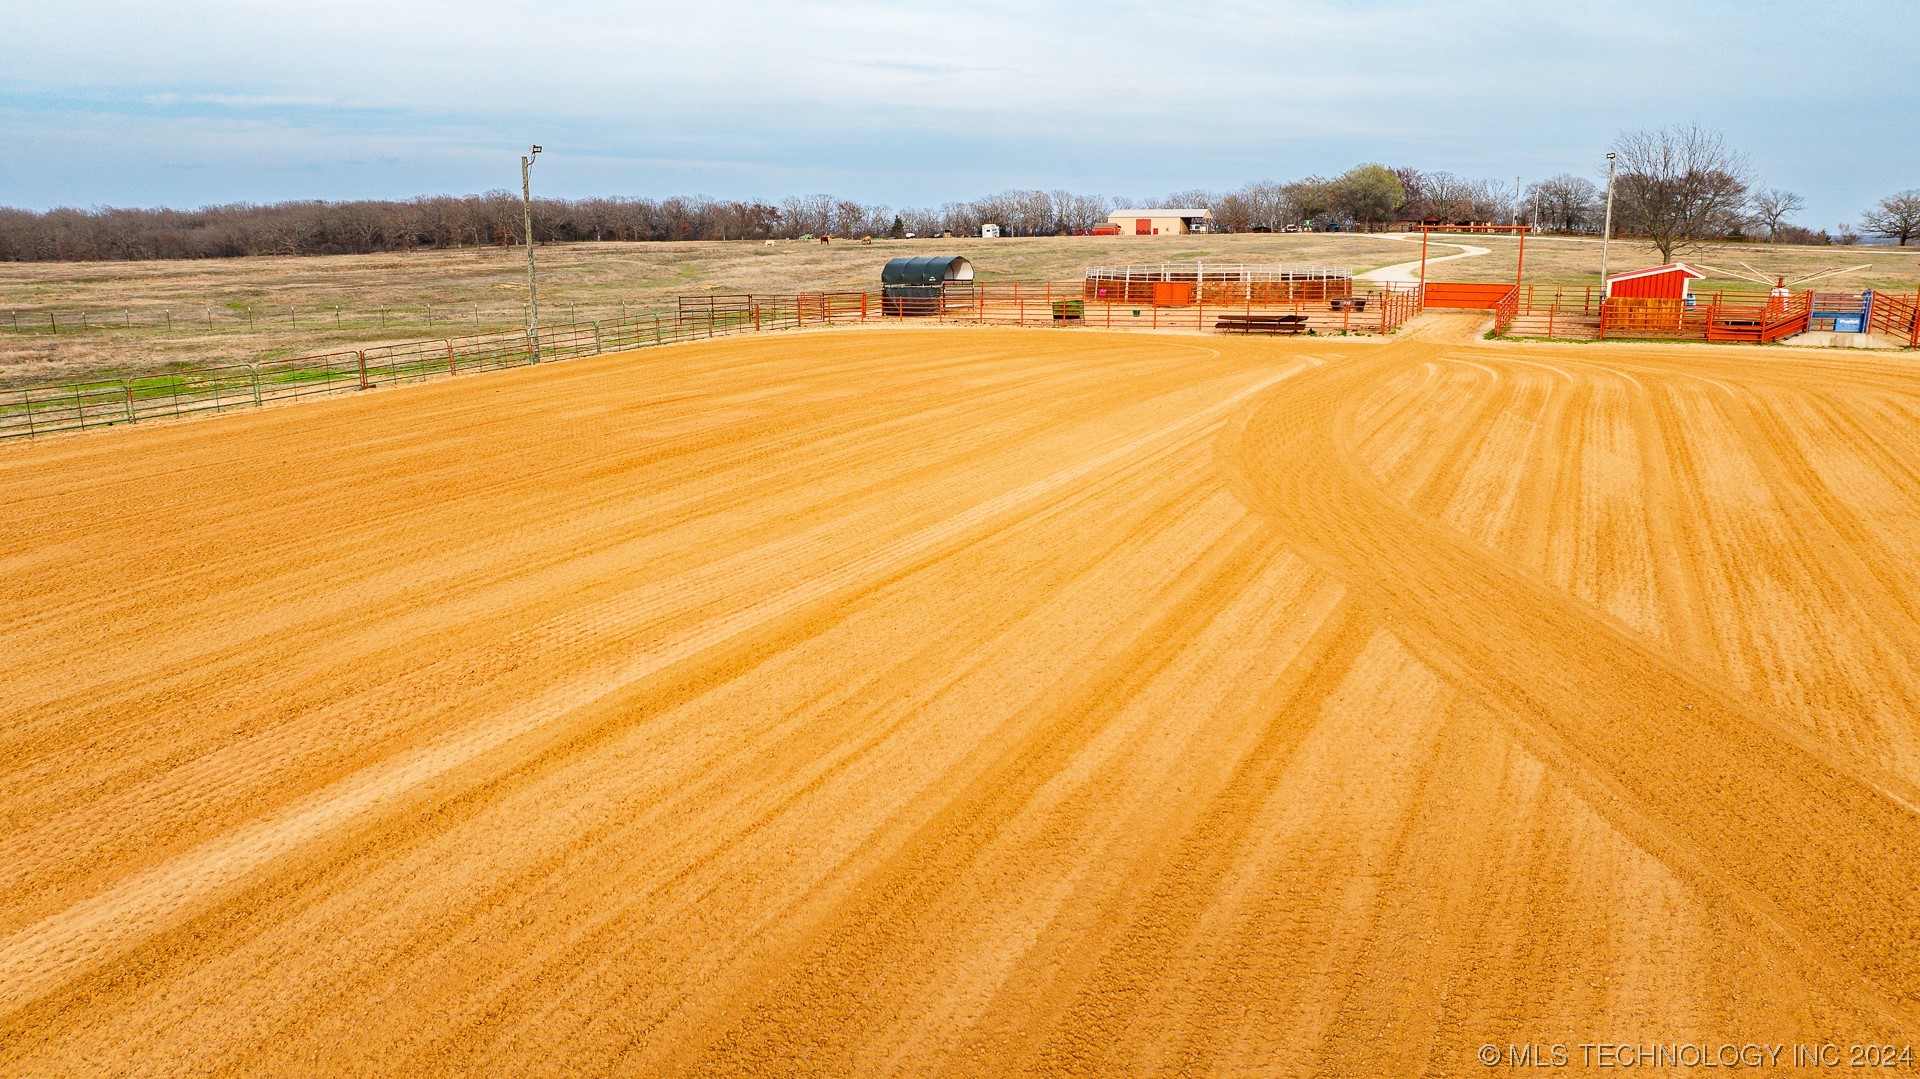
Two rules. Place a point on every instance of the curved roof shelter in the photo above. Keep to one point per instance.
(929, 270)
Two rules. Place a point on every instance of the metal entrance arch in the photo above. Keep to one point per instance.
(1470, 295)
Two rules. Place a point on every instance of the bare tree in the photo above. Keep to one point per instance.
(1771, 206)
(1897, 217)
(1087, 211)
(849, 219)
(921, 221)
(1413, 184)
(1234, 212)
(1446, 199)
(1191, 197)
(362, 224)
(1366, 194)
(1796, 234)
(1680, 187)
(990, 210)
(1496, 202)
(1060, 208)
(808, 215)
(1030, 213)
(1267, 201)
(963, 218)
(1565, 203)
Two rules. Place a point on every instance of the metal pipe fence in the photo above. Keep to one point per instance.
(259, 318)
(1375, 310)
(1716, 318)
(1217, 283)
(1580, 313)
(1897, 316)
(43, 410)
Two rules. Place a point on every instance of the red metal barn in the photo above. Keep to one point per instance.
(1667, 282)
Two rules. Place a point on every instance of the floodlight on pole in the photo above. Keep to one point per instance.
(533, 292)
(1606, 231)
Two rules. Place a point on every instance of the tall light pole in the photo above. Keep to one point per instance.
(1606, 232)
(533, 292)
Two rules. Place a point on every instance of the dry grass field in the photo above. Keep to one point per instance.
(1559, 260)
(432, 294)
(439, 293)
(971, 702)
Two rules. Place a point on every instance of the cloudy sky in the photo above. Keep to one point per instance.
(190, 102)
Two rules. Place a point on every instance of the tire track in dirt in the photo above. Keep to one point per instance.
(1125, 777)
(39, 958)
(409, 696)
(1816, 849)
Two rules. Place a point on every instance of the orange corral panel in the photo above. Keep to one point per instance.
(1219, 283)
(1465, 295)
(1172, 293)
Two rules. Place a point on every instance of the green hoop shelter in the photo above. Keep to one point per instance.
(925, 286)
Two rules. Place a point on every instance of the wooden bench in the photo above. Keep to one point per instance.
(1261, 324)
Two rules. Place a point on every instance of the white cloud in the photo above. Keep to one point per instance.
(910, 102)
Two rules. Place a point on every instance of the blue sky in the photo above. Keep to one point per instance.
(192, 102)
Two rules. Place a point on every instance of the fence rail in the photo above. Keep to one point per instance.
(1506, 309)
(1217, 283)
(1377, 310)
(258, 318)
(1544, 311)
(1897, 316)
(1579, 313)
(1051, 303)
(1751, 319)
(42, 410)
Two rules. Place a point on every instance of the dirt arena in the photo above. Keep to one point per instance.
(972, 702)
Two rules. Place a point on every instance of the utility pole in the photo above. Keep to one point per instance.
(533, 292)
(1606, 234)
(1516, 201)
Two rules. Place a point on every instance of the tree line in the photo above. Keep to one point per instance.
(1676, 187)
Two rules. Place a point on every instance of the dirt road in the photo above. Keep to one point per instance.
(1408, 273)
(971, 702)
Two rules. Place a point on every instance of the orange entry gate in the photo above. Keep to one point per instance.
(1475, 296)
(1172, 293)
(1460, 294)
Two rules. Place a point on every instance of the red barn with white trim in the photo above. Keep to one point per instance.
(1667, 282)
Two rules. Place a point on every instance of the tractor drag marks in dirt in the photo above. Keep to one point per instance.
(985, 702)
(1815, 842)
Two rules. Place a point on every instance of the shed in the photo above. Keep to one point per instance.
(926, 285)
(1667, 282)
(1162, 220)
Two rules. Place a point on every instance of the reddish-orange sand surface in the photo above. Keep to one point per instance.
(972, 702)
